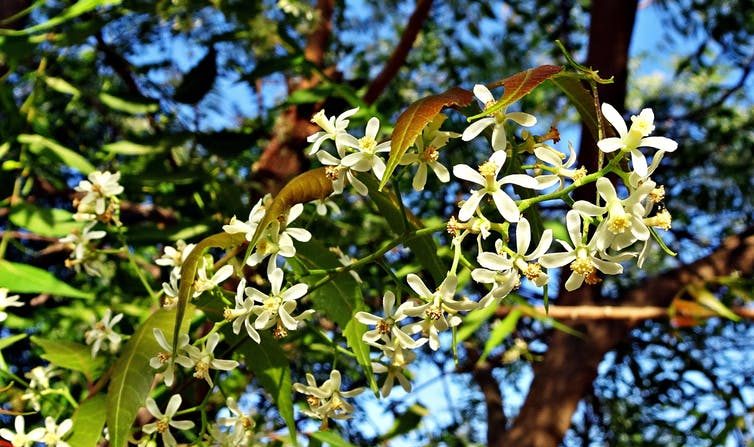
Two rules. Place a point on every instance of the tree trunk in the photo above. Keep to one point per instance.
(566, 373)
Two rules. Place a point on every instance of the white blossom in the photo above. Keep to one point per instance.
(204, 359)
(582, 256)
(6, 302)
(277, 308)
(102, 333)
(99, 195)
(486, 177)
(250, 226)
(558, 168)
(20, 438)
(440, 310)
(366, 158)
(202, 283)
(55, 433)
(165, 421)
(637, 136)
(327, 401)
(243, 312)
(174, 257)
(427, 146)
(497, 120)
(165, 358)
(332, 129)
(276, 242)
(339, 174)
(385, 327)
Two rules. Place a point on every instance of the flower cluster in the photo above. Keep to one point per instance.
(602, 234)
(51, 434)
(327, 401)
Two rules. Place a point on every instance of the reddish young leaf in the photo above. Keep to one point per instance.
(518, 86)
(413, 120)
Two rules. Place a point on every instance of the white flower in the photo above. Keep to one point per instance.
(204, 359)
(202, 283)
(635, 137)
(164, 358)
(165, 421)
(386, 326)
(102, 332)
(276, 243)
(366, 158)
(559, 169)
(427, 145)
(54, 433)
(486, 177)
(239, 420)
(520, 259)
(243, 313)
(174, 257)
(100, 187)
(582, 256)
(497, 120)
(323, 205)
(6, 302)
(171, 289)
(338, 174)
(327, 401)
(83, 253)
(276, 308)
(332, 129)
(624, 223)
(250, 226)
(438, 304)
(39, 377)
(20, 438)
(399, 358)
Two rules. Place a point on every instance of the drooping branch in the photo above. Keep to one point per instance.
(400, 53)
(570, 365)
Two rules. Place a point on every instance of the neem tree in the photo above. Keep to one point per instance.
(337, 287)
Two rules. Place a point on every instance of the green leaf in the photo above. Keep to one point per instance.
(706, 298)
(130, 148)
(23, 278)
(339, 299)
(65, 155)
(331, 438)
(500, 332)
(423, 247)
(411, 122)
(188, 274)
(473, 321)
(71, 355)
(60, 85)
(133, 377)
(88, 421)
(519, 85)
(7, 341)
(270, 366)
(581, 99)
(310, 95)
(75, 10)
(126, 106)
(49, 222)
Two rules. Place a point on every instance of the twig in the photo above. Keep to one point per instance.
(398, 58)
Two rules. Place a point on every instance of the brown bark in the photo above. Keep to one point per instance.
(398, 58)
(283, 157)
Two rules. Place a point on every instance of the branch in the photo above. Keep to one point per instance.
(493, 398)
(398, 58)
(631, 313)
(570, 365)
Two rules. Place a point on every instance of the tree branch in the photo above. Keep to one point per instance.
(631, 313)
(400, 53)
(570, 365)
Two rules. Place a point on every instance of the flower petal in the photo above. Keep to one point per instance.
(476, 128)
(614, 118)
(522, 119)
(662, 143)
